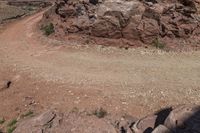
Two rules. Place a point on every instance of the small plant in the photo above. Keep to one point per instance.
(100, 113)
(12, 123)
(158, 44)
(2, 120)
(48, 29)
(11, 129)
(11, 126)
(75, 110)
(29, 113)
(28, 8)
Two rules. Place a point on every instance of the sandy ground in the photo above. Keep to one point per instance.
(46, 73)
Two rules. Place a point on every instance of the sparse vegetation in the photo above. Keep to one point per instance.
(158, 44)
(100, 113)
(29, 113)
(2, 120)
(12, 123)
(75, 110)
(11, 129)
(11, 126)
(48, 29)
(28, 8)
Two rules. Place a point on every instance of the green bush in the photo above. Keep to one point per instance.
(100, 113)
(2, 120)
(12, 123)
(11, 126)
(158, 44)
(48, 29)
(29, 113)
(11, 129)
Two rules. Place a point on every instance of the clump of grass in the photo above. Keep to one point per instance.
(28, 8)
(29, 113)
(11, 126)
(11, 129)
(12, 123)
(2, 120)
(48, 29)
(74, 110)
(158, 44)
(100, 113)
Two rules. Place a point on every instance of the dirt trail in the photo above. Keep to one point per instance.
(134, 80)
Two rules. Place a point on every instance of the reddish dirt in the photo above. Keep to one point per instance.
(47, 73)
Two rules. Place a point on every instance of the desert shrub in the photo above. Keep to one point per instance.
(11, 126)
(12, 123)
(100, 113)
(29, 113)
(48, 29)
(11, 129)
(28, 8)
(74, 110)
(158, 44)
(2, 120)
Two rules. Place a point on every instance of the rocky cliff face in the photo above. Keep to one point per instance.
(143, 20)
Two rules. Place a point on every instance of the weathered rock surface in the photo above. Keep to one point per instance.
(5, 85)
(182, 119)
(145, 125)
(161, 129)
(54, 122)
(36, 3)
(128, 19)
(37, 124)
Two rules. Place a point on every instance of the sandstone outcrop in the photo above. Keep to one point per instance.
(143, 20)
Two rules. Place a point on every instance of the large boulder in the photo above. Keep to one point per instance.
(103, 19)
(37, 124)
(181, 119)
(145, 125)
(161, 129)
(132, 20)
(184, 119)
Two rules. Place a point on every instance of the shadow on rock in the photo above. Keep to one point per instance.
(181, 119)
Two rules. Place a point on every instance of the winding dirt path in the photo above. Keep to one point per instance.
(135, 81)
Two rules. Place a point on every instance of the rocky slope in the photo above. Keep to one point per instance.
(13, 9)
(32, 3)
(181, 119)
(146, 21)
(8, 12)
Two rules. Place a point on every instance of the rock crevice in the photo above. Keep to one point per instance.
(128, 19)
